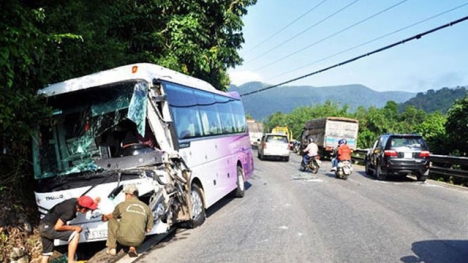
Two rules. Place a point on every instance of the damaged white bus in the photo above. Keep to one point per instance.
(181, 141)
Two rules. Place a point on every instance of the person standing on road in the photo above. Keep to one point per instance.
(54, 225)
(310, 151)
(128, 223)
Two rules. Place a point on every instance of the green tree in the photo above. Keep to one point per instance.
(22, 46)
(433, 131)
(456, 127)
(199, 38)
(410, 118)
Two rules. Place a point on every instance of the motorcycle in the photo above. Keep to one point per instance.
(297, 147)
(344, 169)
(313, 164)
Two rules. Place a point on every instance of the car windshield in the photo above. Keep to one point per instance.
(277, 138)
(411, 142)
(88, 125)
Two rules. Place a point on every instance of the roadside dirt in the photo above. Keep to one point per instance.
(19, 238)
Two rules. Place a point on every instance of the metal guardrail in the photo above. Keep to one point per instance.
(440, 164)
(359, 155)
(448, 165)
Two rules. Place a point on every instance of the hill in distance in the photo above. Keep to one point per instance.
(439, 100)
(286, 98)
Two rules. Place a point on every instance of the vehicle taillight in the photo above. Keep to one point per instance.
(264, 145)
(391, 153)
(424, 154)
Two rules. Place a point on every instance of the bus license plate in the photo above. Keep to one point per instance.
(96, 234)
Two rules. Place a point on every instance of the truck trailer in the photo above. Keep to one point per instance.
(326, 133)
(255, 131)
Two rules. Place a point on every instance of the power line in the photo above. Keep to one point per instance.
(415, 37)
(305, 30)
(332, 35)
(288, 25)
(373, 40)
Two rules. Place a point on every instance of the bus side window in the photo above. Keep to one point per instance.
(187, 123)
(205, 123)
(184, 127)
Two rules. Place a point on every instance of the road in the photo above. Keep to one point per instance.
(293, 216)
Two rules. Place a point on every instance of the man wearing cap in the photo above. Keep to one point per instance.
(54, 225)
(129, 222)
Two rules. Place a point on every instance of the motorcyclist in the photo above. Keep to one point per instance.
(343, 153)
(310, 151)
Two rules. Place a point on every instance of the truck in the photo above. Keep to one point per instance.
(255, 131)
(326, 132)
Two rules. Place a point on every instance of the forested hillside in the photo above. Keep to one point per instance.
(286, 98)
(439, 100)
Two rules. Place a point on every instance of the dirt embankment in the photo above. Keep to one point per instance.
(19, 237)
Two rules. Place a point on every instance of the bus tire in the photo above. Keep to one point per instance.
(198, 207)
(240, 190)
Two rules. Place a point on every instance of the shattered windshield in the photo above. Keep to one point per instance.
(89, 125)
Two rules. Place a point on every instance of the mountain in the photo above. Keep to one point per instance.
(440, 100)
(286, 98)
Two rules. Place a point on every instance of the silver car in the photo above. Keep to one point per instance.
(274, 145)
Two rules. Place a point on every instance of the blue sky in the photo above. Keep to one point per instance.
(319, 35)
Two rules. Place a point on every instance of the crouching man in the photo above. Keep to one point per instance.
(128, 223)
(54, 225)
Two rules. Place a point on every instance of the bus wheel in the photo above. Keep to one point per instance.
(240, 191)
(198, 208)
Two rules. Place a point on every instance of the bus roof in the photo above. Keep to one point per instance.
(139, 71)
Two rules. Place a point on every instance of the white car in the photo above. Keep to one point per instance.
(273, 145)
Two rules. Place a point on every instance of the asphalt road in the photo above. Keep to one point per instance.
(293, 216)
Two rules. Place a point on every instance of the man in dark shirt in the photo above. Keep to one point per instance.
(128, 223)
(54, 225)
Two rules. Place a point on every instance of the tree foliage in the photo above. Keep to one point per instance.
(457, 127)
(439, 100)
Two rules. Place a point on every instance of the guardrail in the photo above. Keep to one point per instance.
(359, 155)
(444, 165)
(448, 165)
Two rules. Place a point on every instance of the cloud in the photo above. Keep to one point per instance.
(241, 77)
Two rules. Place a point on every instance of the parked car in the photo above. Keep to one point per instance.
(398, 155)
(273, 145)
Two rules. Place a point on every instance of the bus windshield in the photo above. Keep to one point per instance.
(88, 125)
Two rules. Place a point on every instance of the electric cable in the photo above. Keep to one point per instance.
(373, 40)
(305, 30)
(332, 35)
(282, 29)
(415, 37)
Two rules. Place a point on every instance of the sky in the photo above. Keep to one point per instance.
(287, 39)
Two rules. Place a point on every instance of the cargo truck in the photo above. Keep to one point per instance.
(326, 133)
(255, 131)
